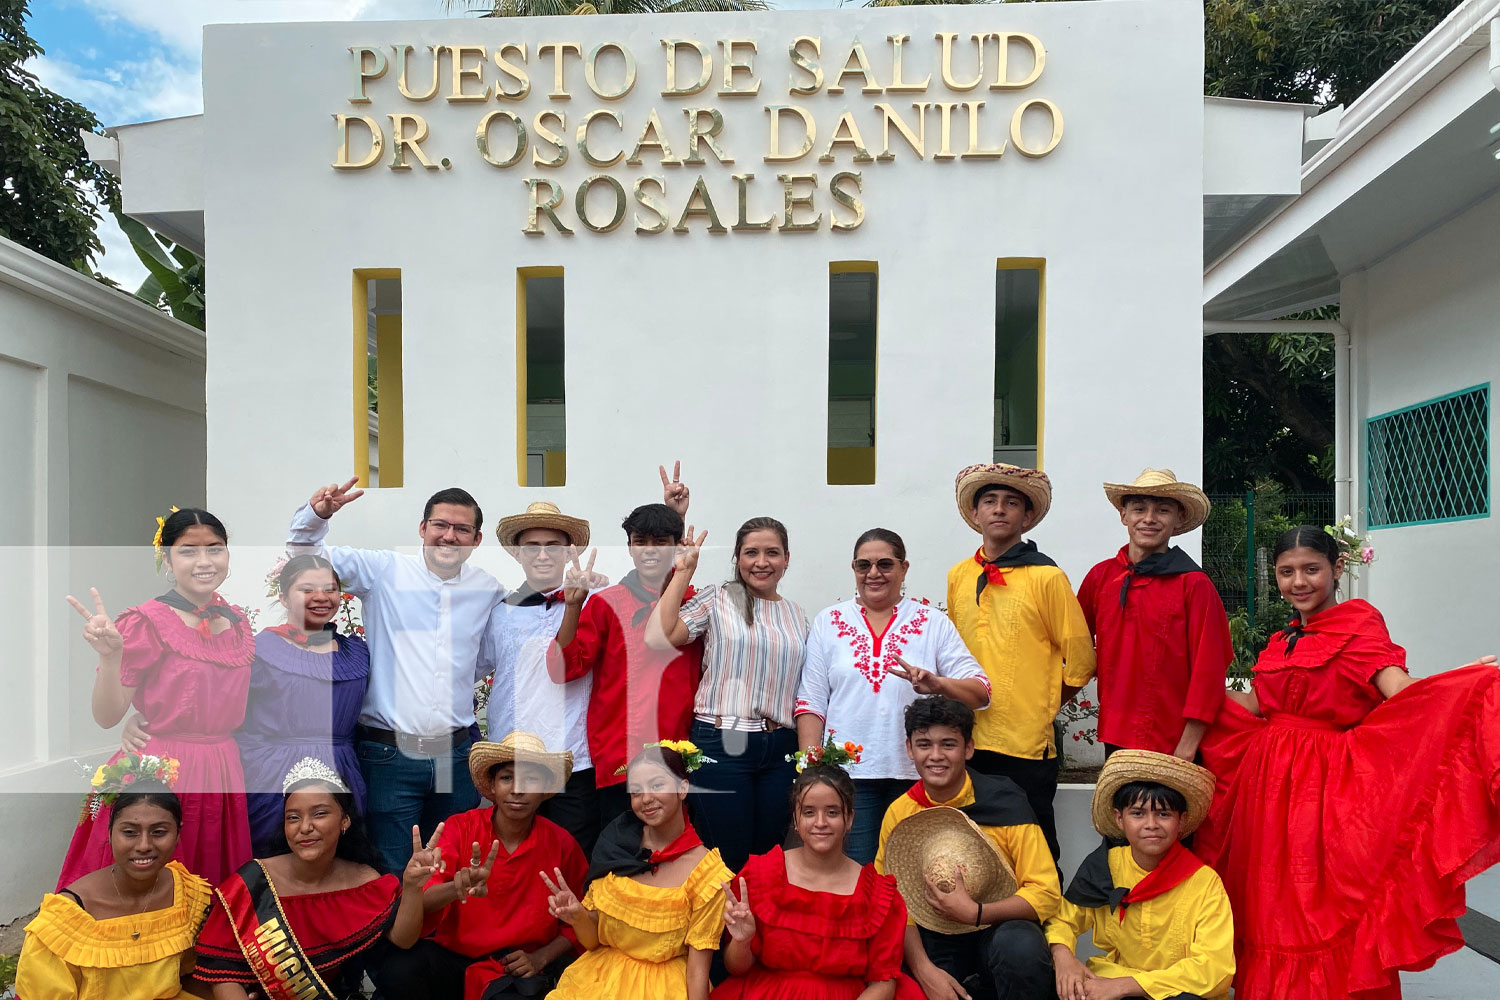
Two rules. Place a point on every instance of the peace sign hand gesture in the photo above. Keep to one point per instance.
(475, 879)
(425, 862)
(674, 492)
(562, 904)
(685, 560)
(921, 681)
(99, 629)
(739, 921)
(578, 582)
(327, 501)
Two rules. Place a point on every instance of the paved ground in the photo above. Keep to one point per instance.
(1464, 975)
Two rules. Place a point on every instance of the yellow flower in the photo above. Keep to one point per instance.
(686, 746)
(98, 778)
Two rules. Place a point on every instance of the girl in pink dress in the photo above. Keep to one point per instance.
(183, 661)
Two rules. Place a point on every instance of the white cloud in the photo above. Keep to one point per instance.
(126, 91)
(119, 260)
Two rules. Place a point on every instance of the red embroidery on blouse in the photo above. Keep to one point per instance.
(873, 655)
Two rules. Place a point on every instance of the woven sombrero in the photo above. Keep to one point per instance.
(1164, 483)
(1030, 483)
(1125, 766)
(542, 515)
(936, 843)
(519, 747)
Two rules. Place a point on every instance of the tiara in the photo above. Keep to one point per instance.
(312, 769)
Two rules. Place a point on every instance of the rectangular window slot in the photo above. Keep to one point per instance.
(378, 427)
(1019, 328)
(1430, 463)
(853, 314)
(542, 437)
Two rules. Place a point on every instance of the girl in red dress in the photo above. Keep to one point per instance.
(809, 923)
(1353, 802)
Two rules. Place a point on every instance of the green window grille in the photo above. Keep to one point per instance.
(1430, 462)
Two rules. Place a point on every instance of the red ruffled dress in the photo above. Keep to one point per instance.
(1345, 825)
(820, 945)
(192, 691)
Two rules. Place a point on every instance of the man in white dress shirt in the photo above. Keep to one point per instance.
(425, 617)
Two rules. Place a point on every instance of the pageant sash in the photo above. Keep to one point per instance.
(272, 950)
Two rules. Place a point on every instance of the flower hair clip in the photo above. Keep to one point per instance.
(112, 780)
(161, 524)
(830, 754)
(692, 757)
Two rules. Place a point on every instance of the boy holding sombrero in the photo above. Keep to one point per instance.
(1161, 635)
(1016, 612)
(972, 865)
(1160, 915)
(488, 933)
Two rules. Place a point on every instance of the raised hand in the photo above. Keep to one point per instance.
(327, 501)
(580, 581)
(921, 681)
(562, 904)
(134, 737)
(426, 860)
(674, 492)
(739, 921)
(474, 880)
(99, 629)
(685, 559)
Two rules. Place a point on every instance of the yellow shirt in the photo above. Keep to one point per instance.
(1024, 846)
(1179, 942)
(1031, 638)
(69, 954)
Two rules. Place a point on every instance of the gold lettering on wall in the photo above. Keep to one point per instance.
(583, 138)
(947, 38)
(461, 73)
(699, 204)
(674, 87)
(916, 140)
(1038, 60)
(696, 132)
(580, 203)
(1057, 127)
(844, 186)
(653, 137)
(808, 64)
(732, 65)
(809, 132)
(742, 223)
(401, 142)
(369, 64)
(975, 150)
(377, 143)
(898, 53)
(591, 71)
(515, 72)
(792, 201)
(650, 204)
(559, 52)
(403, 63)
(846, 132)
(856, 62)
(545, 134)
(547, 206)
(482, 139)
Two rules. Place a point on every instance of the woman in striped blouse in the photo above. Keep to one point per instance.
(753, 643)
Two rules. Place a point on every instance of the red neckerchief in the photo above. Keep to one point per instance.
(686, 841)
(991, 571)
(918, 794)
(1179, 865)
(322, 637)
(205, 613)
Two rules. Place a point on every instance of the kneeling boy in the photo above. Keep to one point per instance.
(1160, 915)
(966, 947)
(499, 942)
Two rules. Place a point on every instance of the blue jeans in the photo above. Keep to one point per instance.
(742, 806)
(404, 791)
(1007, 961)
(872, 796)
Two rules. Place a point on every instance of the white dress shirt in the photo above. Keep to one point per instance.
(424, 631)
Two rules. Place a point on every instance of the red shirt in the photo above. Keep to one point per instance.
(1161, 658)
(514, 914)
(640, 695)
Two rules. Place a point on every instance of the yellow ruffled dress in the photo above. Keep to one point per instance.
(644, 934)
(68, 954)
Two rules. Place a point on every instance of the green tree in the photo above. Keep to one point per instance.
(174, 279)
(50, 191)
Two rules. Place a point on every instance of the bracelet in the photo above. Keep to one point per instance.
(979, 915)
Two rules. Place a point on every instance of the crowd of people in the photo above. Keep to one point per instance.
(700, 790)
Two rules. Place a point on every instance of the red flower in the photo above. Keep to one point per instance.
(127, 779)
(1085, 704)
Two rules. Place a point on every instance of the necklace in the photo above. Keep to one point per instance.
(114, 878)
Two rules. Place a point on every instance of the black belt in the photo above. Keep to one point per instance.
(426, 746)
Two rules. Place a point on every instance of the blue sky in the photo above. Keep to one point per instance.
(138, 60)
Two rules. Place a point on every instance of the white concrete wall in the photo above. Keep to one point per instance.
(101, 401)
(713, 348)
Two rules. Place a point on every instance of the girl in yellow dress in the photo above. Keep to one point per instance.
(654, 912)
(126, 930)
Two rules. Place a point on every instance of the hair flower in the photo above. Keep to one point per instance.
(111, 779)
(161, 525)
(830, 754)
(692, 757)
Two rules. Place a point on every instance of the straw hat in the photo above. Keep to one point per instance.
(1030, 483)
(1165, 484)
(1124, 766)
(542, 515)
(519, 747)
(936, 843)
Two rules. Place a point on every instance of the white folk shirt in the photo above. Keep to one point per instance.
(424, 631)
(846, 678)
(516, 645)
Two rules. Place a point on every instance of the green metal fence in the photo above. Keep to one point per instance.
(1238, 538)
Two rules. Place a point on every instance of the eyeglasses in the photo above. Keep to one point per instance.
(863, 566)
(459, 530)
(534, 549)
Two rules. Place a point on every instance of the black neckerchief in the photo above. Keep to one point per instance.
(1295, 629)
(619, 850)
(173, 599)
(648, 599)
(1093, 884)
(1172, 562)
(998, 801)
(525, 597)
(1019, 554)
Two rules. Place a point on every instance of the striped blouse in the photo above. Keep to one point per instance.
(749, 671)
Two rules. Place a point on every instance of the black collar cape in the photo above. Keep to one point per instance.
(619, 850)
(1019, 554)
(1093, 884)
(998, 801)
(1172, 562)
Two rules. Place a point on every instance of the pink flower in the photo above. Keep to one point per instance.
(127, 779)
(1367, 555)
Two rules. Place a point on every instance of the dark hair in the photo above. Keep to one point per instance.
(297, 565)
(653, 520)
(458, 498)
(1129, 498)
(823, 774)
(883, 535)
(149, 793)
(670, 760)
(354, 843)
(737, 587)
(994, 487)
(1305, 536)
(937, 710)
(179, 521)
(1150, 794)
